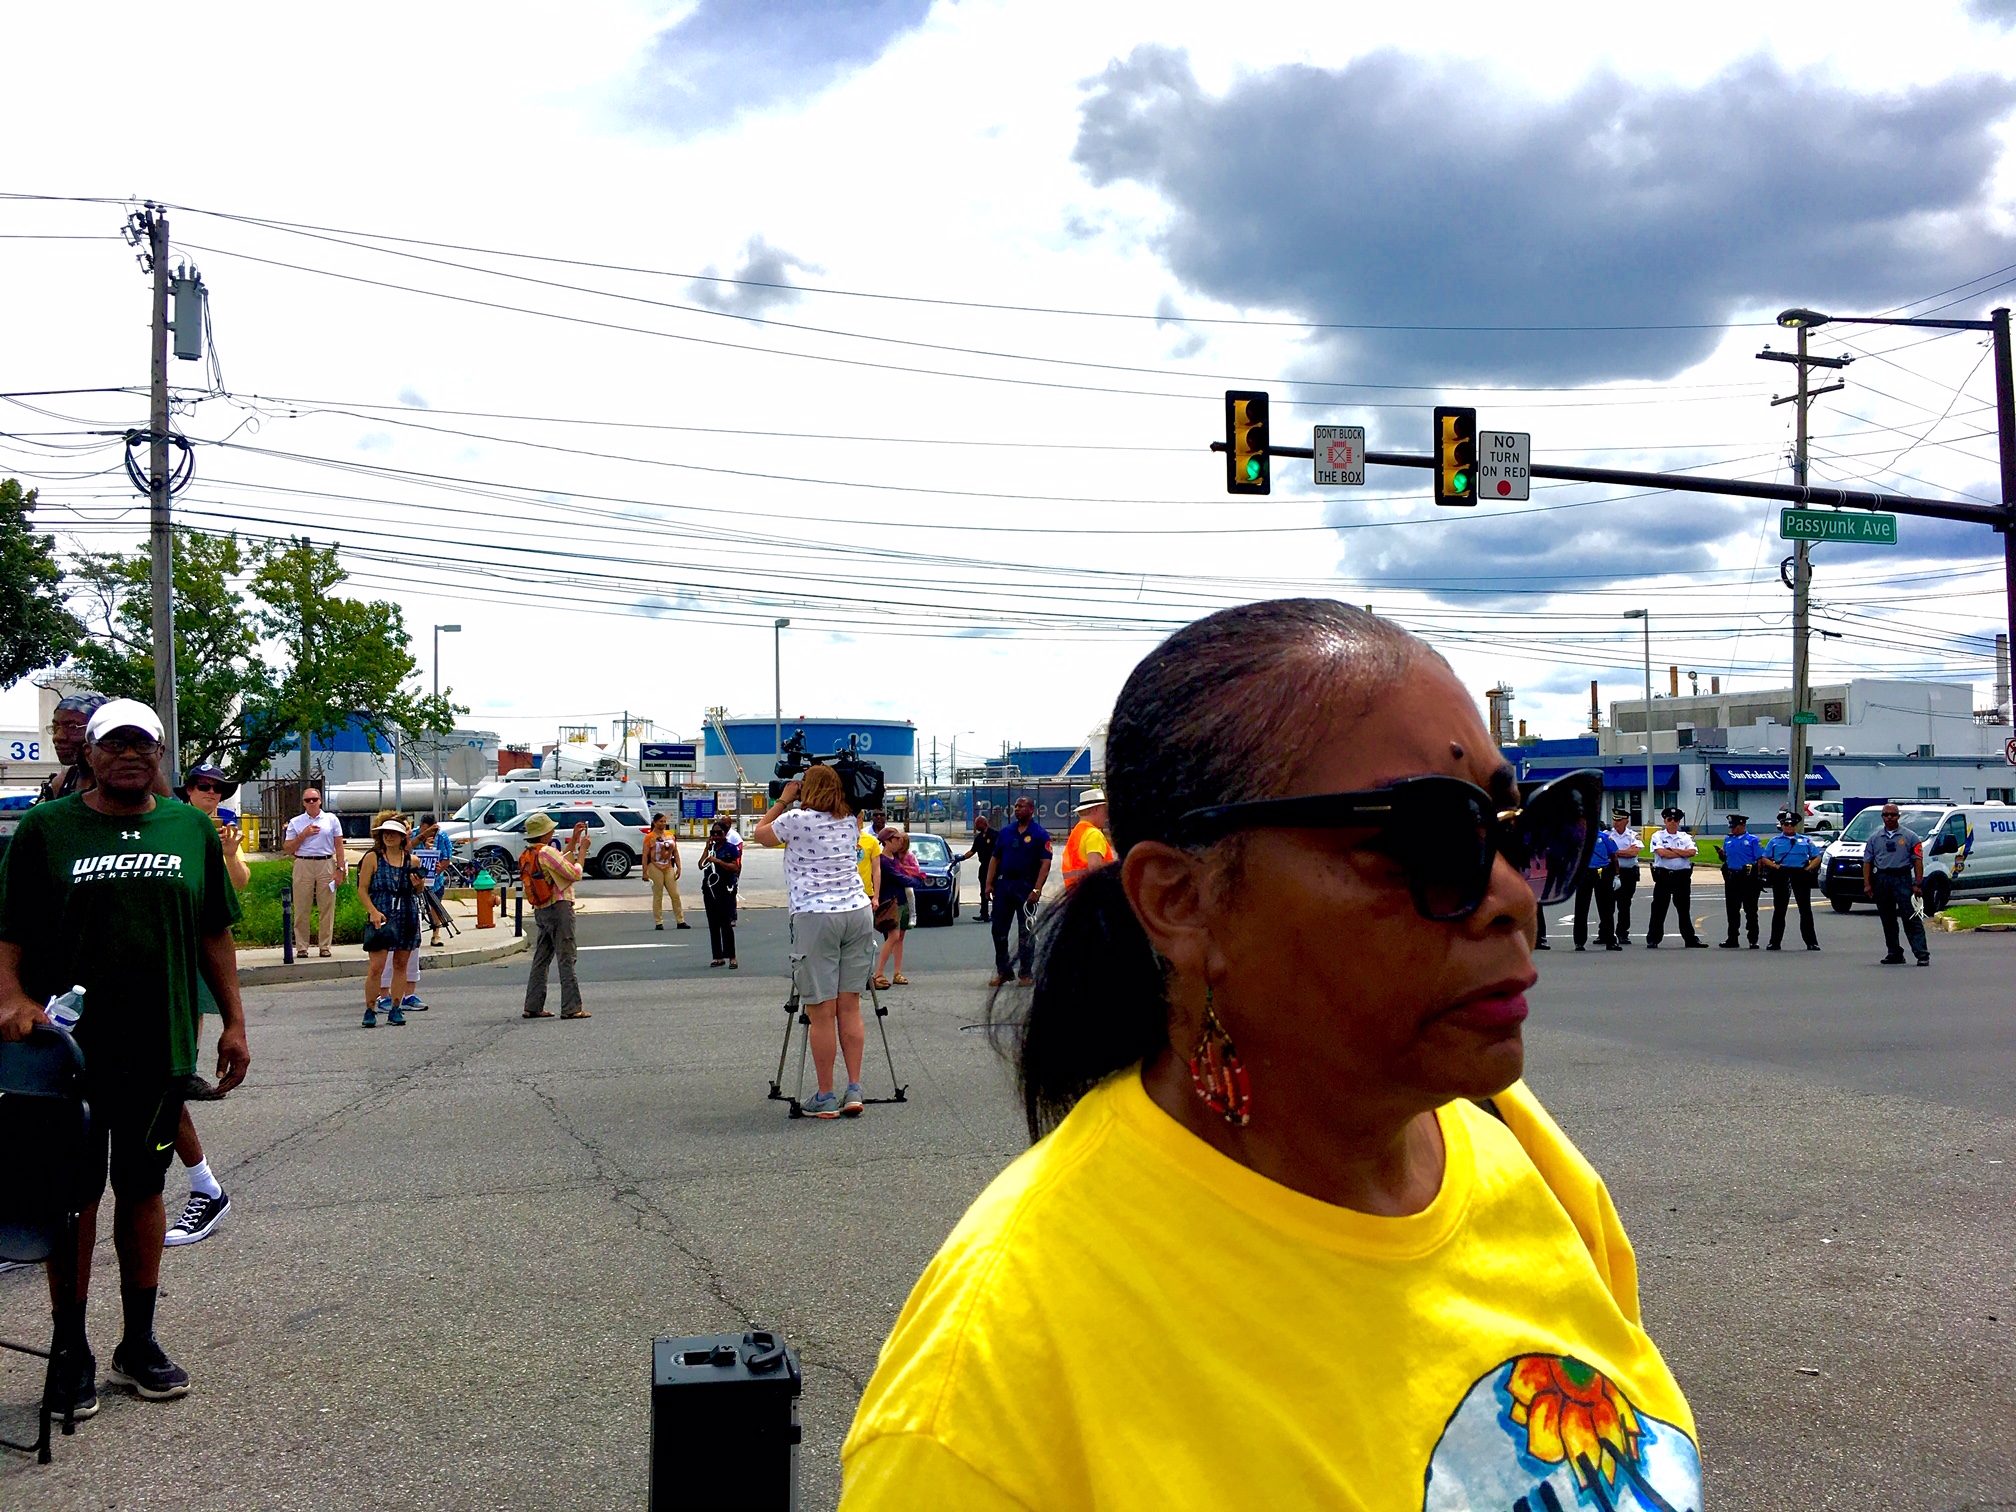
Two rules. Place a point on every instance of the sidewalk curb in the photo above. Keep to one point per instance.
(336, 968)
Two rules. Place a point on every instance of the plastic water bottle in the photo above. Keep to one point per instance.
(66, 1008)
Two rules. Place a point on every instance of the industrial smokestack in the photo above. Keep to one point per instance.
(1672, 682)
(1714, 686)
(1595, 710)
(2002, 680)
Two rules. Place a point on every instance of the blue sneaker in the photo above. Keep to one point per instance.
(370, 1018)
(851, 1102)
(822, 1105)
(412, 1004)
(395, 1016)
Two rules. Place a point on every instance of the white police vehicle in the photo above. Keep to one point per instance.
(1970, 852)
(615, 837)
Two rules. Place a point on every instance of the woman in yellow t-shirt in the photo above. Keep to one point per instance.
(1293, 1233)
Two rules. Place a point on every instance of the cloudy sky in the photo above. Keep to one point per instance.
(614, 333)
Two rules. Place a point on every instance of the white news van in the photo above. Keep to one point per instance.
(515, 793)
(1970, 851)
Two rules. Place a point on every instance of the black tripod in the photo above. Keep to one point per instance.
(804, 1026)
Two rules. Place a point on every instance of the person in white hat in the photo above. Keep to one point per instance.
(389, 880)
(125, 895)
(1088, 847)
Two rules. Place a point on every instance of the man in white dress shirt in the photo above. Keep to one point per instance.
(1673, 882)
(1625, 837)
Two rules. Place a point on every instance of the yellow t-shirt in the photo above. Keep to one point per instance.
(869, 857)
(1127, 1319)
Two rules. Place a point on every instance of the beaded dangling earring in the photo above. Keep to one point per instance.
(1216, 1072)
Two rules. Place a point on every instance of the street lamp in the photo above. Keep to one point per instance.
(1646, 616)
(777, 634)
(441, 782)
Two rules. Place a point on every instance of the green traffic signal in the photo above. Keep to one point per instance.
(1460, 483)
(1252, 469)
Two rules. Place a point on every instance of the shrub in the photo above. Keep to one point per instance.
(260, 902)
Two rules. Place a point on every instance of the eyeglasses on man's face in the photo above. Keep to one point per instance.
(123, 743)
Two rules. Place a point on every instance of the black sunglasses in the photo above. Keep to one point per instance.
(1445, 833)
(206, 787)
(120, 743)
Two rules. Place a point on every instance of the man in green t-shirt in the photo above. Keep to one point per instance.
(126, 896)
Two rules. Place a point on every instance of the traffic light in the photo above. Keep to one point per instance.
(1455, 447)
(1246, 460)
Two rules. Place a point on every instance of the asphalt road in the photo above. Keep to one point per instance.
(451, 1244)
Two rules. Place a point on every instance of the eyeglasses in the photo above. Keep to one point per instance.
(206, 787)
(119, 743)
(1445, 833)
(311, 798)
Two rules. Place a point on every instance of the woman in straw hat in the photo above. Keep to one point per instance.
(388, 880)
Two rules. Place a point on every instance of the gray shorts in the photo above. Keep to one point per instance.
(831, 953)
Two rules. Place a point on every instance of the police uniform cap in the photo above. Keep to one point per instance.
(1786, 816)
(1739, 818)
(1672, 813)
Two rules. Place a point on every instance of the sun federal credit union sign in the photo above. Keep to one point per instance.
(1837, 525)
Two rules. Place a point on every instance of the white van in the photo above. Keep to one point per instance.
(506, 798)
(1970, 852)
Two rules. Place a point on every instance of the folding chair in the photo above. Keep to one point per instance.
(42, 1109)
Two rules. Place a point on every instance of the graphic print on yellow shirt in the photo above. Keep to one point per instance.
(1544, 1433)
(1127, 1319)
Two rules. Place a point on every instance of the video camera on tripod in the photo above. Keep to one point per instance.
(860, 779)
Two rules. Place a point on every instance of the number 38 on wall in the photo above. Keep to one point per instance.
(24, 750)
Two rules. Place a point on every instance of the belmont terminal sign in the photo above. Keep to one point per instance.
(1837, 525)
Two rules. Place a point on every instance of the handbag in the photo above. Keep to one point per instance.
(886, 913)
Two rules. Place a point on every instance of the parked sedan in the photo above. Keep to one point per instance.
(937, 897)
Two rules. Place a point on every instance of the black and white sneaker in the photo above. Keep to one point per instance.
(76, 1388)
(199, 1219)
(148, 1370)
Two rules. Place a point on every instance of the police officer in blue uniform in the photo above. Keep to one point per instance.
(1790, 863)
(1595, 883)
(1742, 879)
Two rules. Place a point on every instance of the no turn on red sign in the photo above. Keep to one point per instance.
(1504, 460)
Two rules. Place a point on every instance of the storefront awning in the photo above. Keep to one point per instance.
(1616, 779)
(1765, 774)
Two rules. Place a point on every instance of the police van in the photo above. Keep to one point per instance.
(498, 802)
(1970, 852)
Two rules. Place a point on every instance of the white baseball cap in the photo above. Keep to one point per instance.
(122, 714)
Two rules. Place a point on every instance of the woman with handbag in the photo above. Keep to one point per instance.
(389, 880)
(892, 917)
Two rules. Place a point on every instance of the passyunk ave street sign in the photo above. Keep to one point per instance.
(1837, 525)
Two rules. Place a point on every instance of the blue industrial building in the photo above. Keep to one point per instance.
(890, 743)
(1045, 761)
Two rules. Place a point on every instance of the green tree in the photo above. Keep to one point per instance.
(346, 657)
(36, 631)
(223, 686)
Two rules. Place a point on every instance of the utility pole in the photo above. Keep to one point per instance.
(160, 531)
(1645, 817)
(1802, 559)
(777, 662)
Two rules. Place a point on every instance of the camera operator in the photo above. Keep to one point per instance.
(832, 925)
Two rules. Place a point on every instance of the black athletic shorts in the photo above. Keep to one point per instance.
(133, 1127)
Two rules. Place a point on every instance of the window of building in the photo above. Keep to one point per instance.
(1727, 800)
(1928, 792)
(2002, 795)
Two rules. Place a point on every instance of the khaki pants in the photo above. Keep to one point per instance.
(662, 883)
(311, 891)
(553, 940)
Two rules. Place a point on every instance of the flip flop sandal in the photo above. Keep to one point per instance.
(881, 984)
(542, 1013)
(900, 980)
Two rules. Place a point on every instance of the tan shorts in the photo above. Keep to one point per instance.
(831, 953)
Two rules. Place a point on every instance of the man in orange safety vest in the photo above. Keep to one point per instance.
(1089, 846)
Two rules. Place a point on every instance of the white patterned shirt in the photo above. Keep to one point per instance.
(819, 857)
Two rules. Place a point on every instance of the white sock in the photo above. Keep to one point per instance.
(202, 1182)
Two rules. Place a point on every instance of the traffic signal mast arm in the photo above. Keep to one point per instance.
(1784, 493)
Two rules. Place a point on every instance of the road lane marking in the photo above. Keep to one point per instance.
(648, 945)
